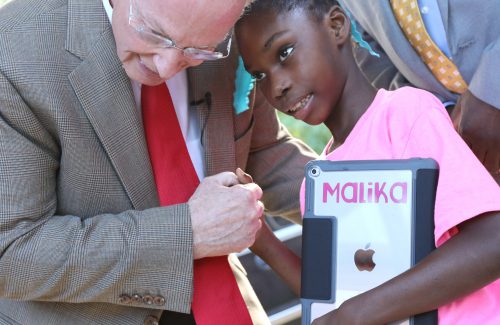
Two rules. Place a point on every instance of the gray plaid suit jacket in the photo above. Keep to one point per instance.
(80, 224)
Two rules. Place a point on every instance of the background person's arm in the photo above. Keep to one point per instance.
(479, 125)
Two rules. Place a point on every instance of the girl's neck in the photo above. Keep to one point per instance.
(357, 96)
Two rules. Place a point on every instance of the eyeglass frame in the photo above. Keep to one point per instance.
(195, 53)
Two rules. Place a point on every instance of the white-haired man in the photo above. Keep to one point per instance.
(113, 210)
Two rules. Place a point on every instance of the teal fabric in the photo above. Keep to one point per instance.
(244, 84)
(356, 35)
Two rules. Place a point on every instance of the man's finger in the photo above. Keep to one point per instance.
(243, 177)
(225, 179)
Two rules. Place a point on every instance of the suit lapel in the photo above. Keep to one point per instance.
(105, 94)
(401, 52)
(216, 79)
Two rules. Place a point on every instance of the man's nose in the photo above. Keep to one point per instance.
(170, 61)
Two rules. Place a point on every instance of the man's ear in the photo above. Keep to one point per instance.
(339, 24)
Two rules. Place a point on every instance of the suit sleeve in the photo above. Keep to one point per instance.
(277, 161)
(67, 258)
(485, 81)
(380, 71)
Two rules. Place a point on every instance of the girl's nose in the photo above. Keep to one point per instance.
(280, 88)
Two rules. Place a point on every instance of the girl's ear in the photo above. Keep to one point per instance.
(338, 24)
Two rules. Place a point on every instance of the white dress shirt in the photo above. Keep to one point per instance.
(431, 15)
(188, 121)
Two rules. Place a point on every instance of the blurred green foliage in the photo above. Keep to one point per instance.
(315, 136)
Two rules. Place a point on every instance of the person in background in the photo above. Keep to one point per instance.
(122, 124)
(447, 48)
(301, 55)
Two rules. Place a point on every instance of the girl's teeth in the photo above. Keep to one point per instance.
(300, 104)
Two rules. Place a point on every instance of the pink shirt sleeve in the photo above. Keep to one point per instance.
(465, 188)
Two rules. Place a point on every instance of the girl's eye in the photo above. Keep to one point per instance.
(285, 53)
(258, 75)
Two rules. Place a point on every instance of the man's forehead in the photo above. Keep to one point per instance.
(190, 7)
(192, 21)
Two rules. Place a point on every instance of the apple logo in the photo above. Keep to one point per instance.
(363, 258)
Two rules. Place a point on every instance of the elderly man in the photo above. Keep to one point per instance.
(119, 201)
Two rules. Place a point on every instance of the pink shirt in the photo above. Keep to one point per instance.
(409, 123)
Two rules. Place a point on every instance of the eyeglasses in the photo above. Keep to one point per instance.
(205, 53)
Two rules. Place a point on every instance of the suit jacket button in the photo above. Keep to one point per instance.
(136, 298)
(151, 320)
(159, 300)
(148, 299)
(124, 299)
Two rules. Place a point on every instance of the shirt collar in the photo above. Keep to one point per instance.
(109, 9)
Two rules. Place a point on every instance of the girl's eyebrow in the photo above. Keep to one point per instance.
(273, 38)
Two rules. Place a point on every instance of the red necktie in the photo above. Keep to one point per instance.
(217, 299)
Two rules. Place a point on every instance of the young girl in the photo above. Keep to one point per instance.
(300, 53)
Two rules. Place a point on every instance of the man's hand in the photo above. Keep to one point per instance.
(479, 125)
(225, 215)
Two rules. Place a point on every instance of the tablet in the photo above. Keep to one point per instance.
(365, 222)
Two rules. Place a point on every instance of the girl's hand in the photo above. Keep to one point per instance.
(272, 251)
(264, 234)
